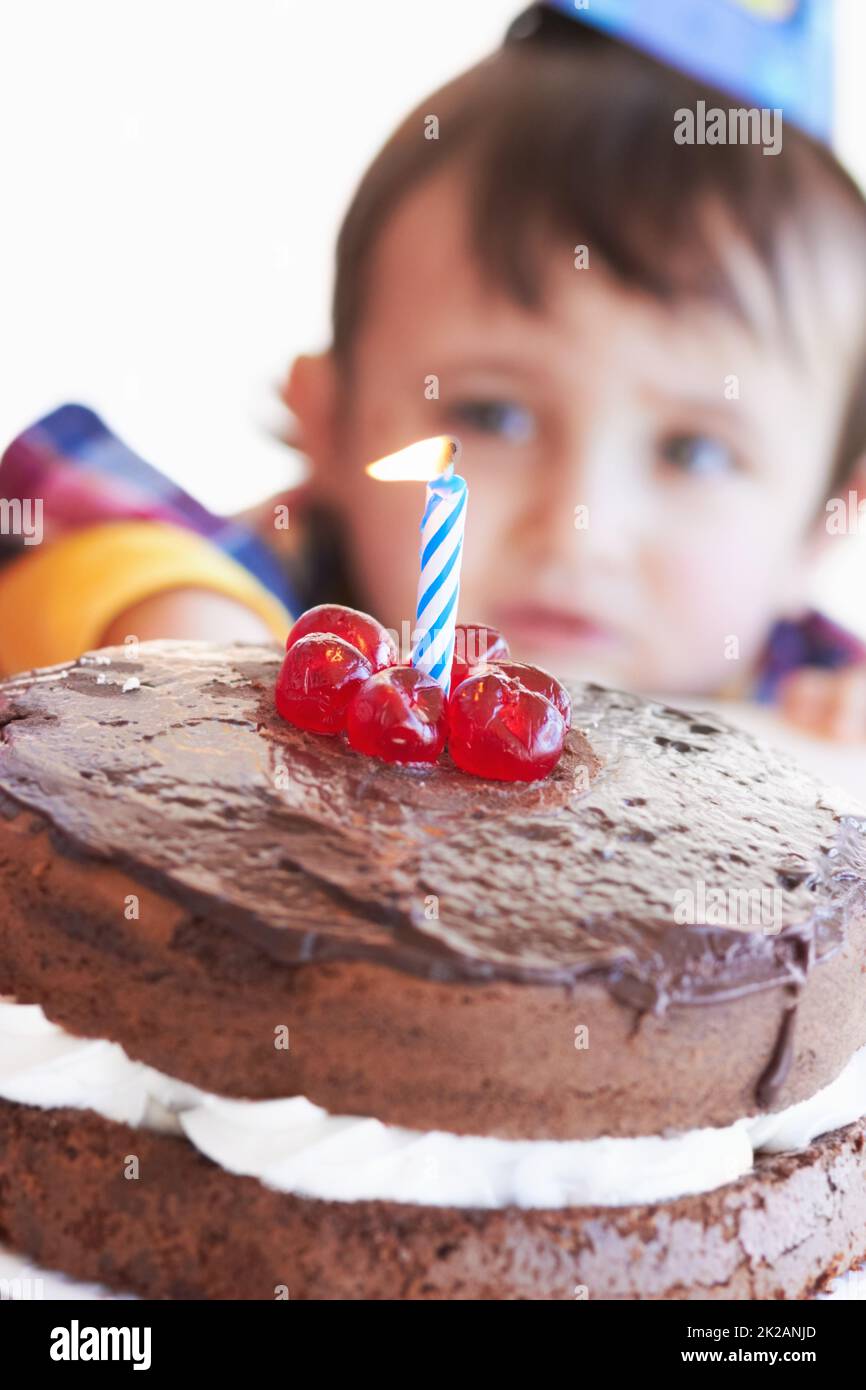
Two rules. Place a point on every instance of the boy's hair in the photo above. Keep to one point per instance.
(575, 140)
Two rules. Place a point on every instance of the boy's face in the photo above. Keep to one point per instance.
(643, 481)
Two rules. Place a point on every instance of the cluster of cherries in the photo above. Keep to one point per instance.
(502, 719)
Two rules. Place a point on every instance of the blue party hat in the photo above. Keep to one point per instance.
(768, 53)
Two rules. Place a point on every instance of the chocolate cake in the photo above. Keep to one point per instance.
(280, 1018)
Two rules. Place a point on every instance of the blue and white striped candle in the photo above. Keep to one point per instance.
(442, 528)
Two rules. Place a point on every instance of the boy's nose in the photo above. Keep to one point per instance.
(584, 512)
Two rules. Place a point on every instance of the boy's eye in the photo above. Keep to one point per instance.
(503, 418)
(698, 454)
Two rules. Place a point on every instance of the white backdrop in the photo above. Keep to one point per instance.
(172, 176)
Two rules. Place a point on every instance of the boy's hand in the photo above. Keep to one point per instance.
(202, 614)
(827, 704)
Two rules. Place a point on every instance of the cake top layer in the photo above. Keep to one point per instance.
(671, 856)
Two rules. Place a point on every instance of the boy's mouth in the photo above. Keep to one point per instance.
(533, 627)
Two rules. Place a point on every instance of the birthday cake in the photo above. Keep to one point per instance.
(280, 1019)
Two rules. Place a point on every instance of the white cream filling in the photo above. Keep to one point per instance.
(295, 1146)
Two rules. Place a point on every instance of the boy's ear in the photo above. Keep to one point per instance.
(841, 514)
(310, 392)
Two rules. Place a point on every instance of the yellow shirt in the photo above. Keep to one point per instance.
(57, 599)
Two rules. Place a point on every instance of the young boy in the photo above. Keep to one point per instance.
(653, 353)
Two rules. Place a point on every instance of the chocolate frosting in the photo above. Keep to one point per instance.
(190, 780)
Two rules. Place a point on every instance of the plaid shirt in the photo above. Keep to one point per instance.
(85, 475)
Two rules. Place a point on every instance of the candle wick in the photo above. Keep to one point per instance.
(447, 469)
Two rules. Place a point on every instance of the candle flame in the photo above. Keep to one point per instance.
(419, 463)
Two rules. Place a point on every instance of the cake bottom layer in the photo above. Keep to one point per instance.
(185, 1229)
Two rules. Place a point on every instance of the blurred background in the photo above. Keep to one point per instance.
(173, 176)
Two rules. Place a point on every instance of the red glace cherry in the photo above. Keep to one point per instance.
(475, 644)
(398, 715)
(370, 638)
(320, 676)
(498, 728)
(534, 678)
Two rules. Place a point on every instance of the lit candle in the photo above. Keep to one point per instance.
(442, 527)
